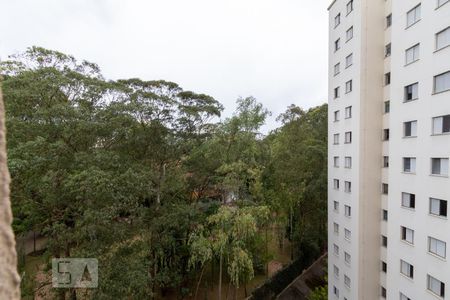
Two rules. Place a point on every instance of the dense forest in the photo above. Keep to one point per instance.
(150, 180)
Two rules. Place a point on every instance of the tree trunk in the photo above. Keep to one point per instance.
(199, 281)
(291, 234)
(220, 277)
(9, 277)
(161, 179)
(267, 257)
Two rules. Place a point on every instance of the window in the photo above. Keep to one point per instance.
(336, 184)
(385, 188)
(387, 50)
(347, 281)
(383, 292)
(389, 21)
(336, 249)
(442, 82)
(406, 269)
(347, 258)
(441, 2)
(410, 129)
(336, 291)
(336, 139)
(385, 161)
(337, 45)
(347, 234)
(409, 164)
(348, 187)
(384, 215)
(349, 60)
(383, 267)
(336, 228)
(348, 112)
(337, 20)
(336, 206)
(386, 134)
(349, 7)
(336, 161)
(412, 54)
(439, 166)
(337, 69)
(413, 16)
(435, 286)
(336, 271)
(349, 34)
(411, 92)
(337, 93)
(443, 39)
(437, 247)
(438, 207)
(384, 241)
(407, 235)
(403, 297)
(441, 124)
(336, 115)
(408, 200)
(348, 137)
(387, 78)
(348, 162)
(387, 107)
(348, 211)
(348, 86)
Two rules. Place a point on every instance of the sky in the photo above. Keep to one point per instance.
(274, 50)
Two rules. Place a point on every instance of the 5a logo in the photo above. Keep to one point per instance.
(74, 273)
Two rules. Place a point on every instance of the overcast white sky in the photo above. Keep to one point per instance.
(274, 50)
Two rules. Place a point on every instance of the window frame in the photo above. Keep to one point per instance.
(446, 89)
(416, 20)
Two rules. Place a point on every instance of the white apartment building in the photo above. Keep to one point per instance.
(389, 149)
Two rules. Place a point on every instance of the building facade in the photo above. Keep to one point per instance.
(389, 149)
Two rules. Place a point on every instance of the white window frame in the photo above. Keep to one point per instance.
(347, 234)
(435, 286)
(441, 79)
(413, 15)
(336, 161)
(337, 20)
(349, 60)
(348, 162)
(412, 54)
(437, 247)
(348, 137)
(436, 207)
(443, 168)
(414, 92)
(406, 269)
(348, 211)
(412, 165)
(445, 35)
(408, 235)
(441, 3)
(349, 86)
(349, 34)
(407, 200)
(337, 69)
(336, 139)
(348, 112)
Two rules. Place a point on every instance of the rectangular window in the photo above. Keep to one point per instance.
(347, 258)
(348, 187)
(413, 16)
(439, 166)
(385, 188)
(406, 269)
(336, 249)
(383, 292)
(437, 247)
(337, 69)
(336, 184)
(409, 200)
(438, 207)
(336, 161)
(336, 139)
(403, 297)
(348, 162)
(348, 112)
(436, 286)
(349, 60)
(337, 20)
(336, 271)
(441, 2)
(336, 291)
(336, 206)
(336, 228)
(443, 38)
(337, 45)
(442, 82)
(389, 21)
(348, 137)
(383, 267)
(441, 124)
(347, 234)
(384, 215)
(348, 211)
(410, 129)
(387, 107)
(348, 86)
(387, 50)
(349, 7)
(347, 281)
(412, 54)
(349, 34)
(337, 93)
(409, 164)
(387, 78)
(411, 92)
(385, 161)
(384, 241)
(336, 115)
(407, 235)
(386, 134)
